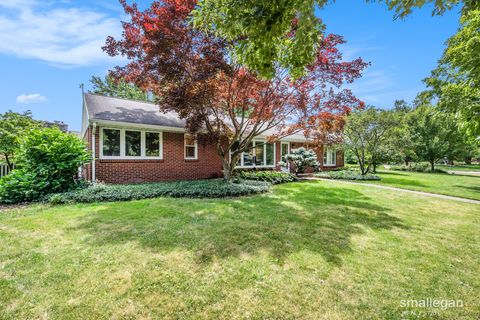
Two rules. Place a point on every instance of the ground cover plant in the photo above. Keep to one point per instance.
(274, 177)
(346, 175)
(214, 188)
(311, 250)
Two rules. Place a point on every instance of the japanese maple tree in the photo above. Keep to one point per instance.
(192, 74)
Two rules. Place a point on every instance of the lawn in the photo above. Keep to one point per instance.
(441, 183)
(460, 167)
(311, 250)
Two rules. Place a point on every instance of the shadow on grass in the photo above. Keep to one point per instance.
(403, 182)
(471, 188)
(295, 217)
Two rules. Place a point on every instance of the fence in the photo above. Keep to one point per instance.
(4, 169)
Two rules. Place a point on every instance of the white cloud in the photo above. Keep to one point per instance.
(31, 98)
(64, 36)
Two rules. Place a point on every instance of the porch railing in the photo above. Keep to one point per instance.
(4, 169)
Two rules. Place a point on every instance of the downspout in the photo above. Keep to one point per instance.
(94, 127)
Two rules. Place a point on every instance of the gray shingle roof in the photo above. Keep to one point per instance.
(123, 110)
(137, 112)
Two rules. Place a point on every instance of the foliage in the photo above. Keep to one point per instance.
(301, 159)
(269, 32)
(194, 75)
(346, 175)
(215, 188)
(118, 88)
(365, 134)
(274, 177)
(417, 167)
(455, 83)
(433, 133)
(13, 127)
(48, 162)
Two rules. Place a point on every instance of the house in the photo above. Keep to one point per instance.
(135, 142)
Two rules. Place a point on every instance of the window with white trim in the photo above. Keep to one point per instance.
(258, 154)
(130, 144)
(111, 142)
(329, 157)
(191, 146)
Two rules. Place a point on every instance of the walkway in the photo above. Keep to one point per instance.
(428, 194)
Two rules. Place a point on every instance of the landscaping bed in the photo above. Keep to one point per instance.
(346, 175)
(215, 188)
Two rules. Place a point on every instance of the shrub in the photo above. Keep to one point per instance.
(274, 177)
(48, 162)
(215, 188)
(301, 159)
(417, 167)
(347, 175)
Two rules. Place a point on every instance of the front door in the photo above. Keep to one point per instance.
(284, 150)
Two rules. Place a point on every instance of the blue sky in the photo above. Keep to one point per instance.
(47, 48)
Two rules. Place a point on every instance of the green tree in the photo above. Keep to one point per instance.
(455, 83)
(112, 87)
(365, 134)
(434, 133)
(13, 127)
(265, 33)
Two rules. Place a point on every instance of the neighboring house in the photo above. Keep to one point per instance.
(135, 142)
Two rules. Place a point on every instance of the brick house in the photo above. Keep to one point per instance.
(135, 142)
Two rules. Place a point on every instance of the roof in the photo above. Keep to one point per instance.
(143, 113)
(131, 111)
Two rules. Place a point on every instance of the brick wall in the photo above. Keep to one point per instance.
(173, 166)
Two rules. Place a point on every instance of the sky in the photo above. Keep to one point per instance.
(49, 47)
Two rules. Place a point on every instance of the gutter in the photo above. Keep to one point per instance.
(94, 130)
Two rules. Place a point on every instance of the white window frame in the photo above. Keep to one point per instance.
(242, 166)
(333, 157)
(122, 155)
(185, 145)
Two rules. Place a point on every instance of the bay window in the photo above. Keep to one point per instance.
(130, 144)
(258, 154)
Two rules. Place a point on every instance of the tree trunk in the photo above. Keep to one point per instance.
(9, 164)
(406, 161)
(228, 168)
(374, 168)
(468, 160)
(432, 165)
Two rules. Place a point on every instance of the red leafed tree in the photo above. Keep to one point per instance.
(193, 74)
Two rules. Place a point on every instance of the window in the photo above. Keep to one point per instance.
(329, 157)
(111, 142)
(152, 144)
(270, 154)
(258, 154)
(133, 143)
(130, 144)
(190, 147)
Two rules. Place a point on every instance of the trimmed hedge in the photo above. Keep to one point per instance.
(274, 177)
(215, 188)
(346, 175)
(417, 167)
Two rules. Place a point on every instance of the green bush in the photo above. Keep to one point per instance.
(215, 188)
(48, 162)
(417, 167)
(346, 175)
(274, 177)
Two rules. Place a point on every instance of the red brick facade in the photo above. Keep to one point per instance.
(173, 166)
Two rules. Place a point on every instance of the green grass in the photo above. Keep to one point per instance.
(441, 183)
(311, 250)
(460, 167)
